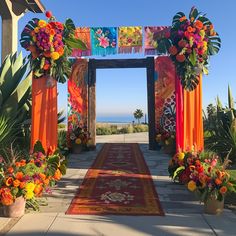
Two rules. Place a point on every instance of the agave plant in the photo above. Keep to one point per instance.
(15, 87)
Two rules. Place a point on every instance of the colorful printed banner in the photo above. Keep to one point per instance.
(83, 33)
(151, 35)
(78, 95)
(130, 39)
(165, 96)
(104, 40)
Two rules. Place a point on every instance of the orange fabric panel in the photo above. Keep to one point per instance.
(44, 114)
(193, 122)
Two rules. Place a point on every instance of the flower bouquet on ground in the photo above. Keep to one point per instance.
(80, 139)
(167, 141)
(190, 42)
(212, 183)
(24, 179)
(50, 43)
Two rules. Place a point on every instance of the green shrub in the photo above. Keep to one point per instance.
(103, 131)
(61, 126)
(140, 128)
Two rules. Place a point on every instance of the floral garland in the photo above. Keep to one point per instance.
(50, 43)
(190, 42)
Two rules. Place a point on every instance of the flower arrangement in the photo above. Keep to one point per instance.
(190, 42)
(81, 136)
(29, 177)
(50, 43)
(213, 181)
(166, 139)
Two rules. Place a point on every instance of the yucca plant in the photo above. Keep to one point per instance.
(15, 87)
(222, 138)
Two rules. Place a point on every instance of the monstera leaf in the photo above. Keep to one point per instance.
(25, 35)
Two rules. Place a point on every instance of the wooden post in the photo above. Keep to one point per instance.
(92, 101)
(151, 102)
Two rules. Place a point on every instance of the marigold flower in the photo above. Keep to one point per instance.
(78, 141)
(181, 156)
(42, 23)
(192, 185)
(218, 181)
(183, 18)
(38, 189)
(36, 29)
(223, 190)
(42, 176)
(22, 185)
(16, 183)
(57, 175)
(10, 170)
(198, 24)
(190, 29)
(55, 56)
(19, 175)
(6, 197)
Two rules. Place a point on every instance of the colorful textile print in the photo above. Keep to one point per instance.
(104, 40)
(83, 33)
(130, 39)
(78, 95)
(152, 34)
(165, 95)
(118, 182)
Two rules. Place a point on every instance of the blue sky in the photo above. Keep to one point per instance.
(121, 85)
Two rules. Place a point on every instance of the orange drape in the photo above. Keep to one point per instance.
(192, 117)
(44, 114)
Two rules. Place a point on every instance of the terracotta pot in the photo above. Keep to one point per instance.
(213, 207)
(76, 148)
(17, 209)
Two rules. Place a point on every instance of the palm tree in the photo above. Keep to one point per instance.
(138, 114)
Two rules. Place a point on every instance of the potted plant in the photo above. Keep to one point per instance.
(23, 179)
(210, 180)
(80, 139)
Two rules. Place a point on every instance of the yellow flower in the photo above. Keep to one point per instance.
(29, 187)
(181, 156)
(202, 33)
(167, 142)
(191, 185)
(42, 23)
(29, 195)
(78, 141)
(55, 55)
(36, 29)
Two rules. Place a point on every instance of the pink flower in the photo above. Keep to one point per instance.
(99, 31)
(214, 162)
(103, 42)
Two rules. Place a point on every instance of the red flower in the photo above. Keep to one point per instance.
(173, 50)
(48, 14)
(180, 58)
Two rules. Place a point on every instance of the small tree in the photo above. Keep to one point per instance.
(138, 114)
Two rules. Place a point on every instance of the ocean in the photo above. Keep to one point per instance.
(117, 119)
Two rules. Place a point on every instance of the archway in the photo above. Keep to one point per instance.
(95, 64)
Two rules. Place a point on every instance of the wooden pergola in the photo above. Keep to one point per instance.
(11, 11)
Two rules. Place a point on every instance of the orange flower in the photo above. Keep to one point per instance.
(60, 51)
(19, 175)
(6, 197)
(223, 190)
(198, 24)
(38, 189)
(173, 50)
(22, 185)
(180, 58)
(18, 164)
(218, 181)
(9, 181)
(42, 176)
(192, 19)
(46, 181)
(47, 54)
(46, 67)
(183, 18)
(23, 162)
(16, 183)
(10, 170)
(52, 32)
(190, 29)
(57, 175)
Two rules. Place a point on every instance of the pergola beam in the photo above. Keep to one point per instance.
(11, 11)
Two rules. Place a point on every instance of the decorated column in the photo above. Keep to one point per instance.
(49, 43)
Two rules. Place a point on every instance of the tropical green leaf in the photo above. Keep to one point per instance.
(193, 13)
(193, 58)
(178, 171)
(176, 17)
(38, 147)
(75, 43)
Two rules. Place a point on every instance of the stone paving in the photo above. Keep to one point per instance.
(184, 213)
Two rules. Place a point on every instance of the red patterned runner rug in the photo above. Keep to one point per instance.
(118, 182)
